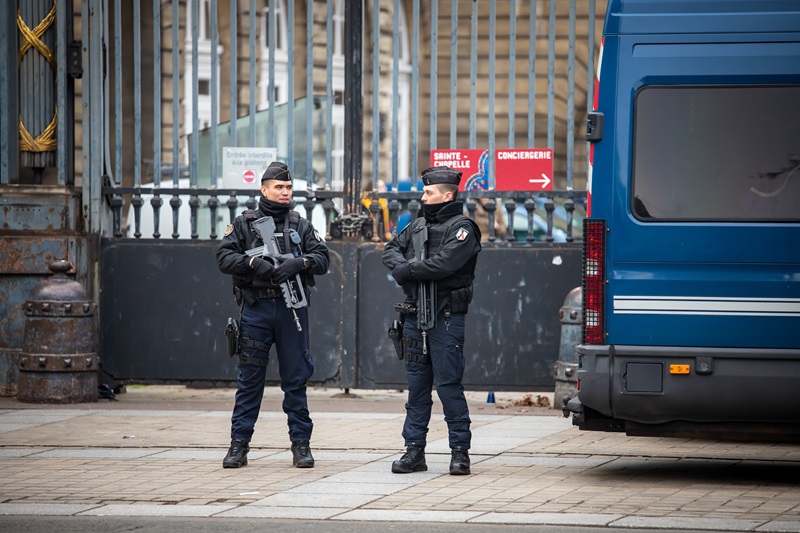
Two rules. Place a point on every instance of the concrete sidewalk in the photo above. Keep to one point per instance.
(157, 451)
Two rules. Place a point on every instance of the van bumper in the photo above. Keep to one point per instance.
(657, 390)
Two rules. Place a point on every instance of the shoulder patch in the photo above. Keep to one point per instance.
(318, 236)
(228, 230)
(462, 234)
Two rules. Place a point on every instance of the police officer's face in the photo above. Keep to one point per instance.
(277, 191)
(433, 194)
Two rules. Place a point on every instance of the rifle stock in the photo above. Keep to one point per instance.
(294, 295)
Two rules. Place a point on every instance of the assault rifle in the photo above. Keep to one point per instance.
(293, 292)
(426, 297)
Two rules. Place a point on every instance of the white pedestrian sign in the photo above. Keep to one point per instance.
(242, 167)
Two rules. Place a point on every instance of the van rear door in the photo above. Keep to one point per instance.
(704, 227)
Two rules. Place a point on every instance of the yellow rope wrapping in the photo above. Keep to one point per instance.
(45, 141)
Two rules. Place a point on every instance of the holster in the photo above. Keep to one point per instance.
(232, 334)
(396, 329)
(396, 334)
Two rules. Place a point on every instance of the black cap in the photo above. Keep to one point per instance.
(276, 171)
(437, 175)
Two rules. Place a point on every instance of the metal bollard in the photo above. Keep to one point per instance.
(58, 361)
(567, 364)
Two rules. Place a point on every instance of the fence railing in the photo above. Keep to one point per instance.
(404, 42)
(202, 213)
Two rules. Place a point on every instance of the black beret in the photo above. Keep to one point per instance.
(437, 175)
(276, 171)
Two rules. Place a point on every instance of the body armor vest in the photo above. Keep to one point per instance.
(437, 235)
(292, 221)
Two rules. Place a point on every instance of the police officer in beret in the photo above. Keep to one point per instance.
(437, 358)
(265, 318)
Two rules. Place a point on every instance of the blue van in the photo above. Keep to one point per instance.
(691, 274)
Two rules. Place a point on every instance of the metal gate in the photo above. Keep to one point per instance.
(353, 97)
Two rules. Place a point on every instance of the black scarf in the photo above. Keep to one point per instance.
(429, 211)
(441, 212)
(276, 210)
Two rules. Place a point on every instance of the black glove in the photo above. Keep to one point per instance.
(287, 269)
(262, 269)
(402, 274)
(409, 288)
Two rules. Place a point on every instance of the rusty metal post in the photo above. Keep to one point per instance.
(58, 361)
(566, 367)
(353, 219)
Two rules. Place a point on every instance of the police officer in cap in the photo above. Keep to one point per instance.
(452, 249)
(265, 318)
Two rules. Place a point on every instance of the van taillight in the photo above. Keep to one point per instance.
(594, 251)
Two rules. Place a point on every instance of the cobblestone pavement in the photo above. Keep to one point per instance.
(157, 451)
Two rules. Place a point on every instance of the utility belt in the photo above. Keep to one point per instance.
(268, 293)
(252, 295)
(458, 302)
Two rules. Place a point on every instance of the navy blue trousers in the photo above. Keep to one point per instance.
(270, 322)
(445, 370)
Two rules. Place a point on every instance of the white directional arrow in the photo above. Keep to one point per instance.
(545, 181)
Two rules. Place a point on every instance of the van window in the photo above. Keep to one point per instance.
(712, 153)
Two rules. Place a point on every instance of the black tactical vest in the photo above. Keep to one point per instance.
(251, 240)
(437, 234)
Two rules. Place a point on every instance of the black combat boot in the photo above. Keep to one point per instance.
(459, 462)
(301, 455)
(237, 455)
(412, 461)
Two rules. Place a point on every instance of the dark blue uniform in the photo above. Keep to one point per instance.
(453, 245)
(445, 368)
(270, 322)
(266, 321)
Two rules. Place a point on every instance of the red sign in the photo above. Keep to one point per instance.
(527, 169)
(473, 165)
(249, 176)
